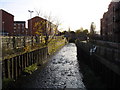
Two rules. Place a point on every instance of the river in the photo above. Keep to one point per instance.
(62, 71)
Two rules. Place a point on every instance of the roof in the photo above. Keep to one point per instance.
(37, 17)
(6, 12)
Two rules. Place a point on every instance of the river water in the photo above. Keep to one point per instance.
(62, 71)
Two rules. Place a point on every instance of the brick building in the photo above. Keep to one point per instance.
(19, 28)
(110, 23)
(38, 24)
(6, 23)
(35, 24)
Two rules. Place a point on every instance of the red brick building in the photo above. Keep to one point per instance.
(19, 28)
(110, 23)
(6, 23)
(43, 26)
(35, 24)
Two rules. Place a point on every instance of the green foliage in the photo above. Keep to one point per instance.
(30, 69)
(55, 44)
(82, 31)
(85, 31)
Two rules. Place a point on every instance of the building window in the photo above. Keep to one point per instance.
(14, 27)
(18, 27)
(18, 24)
(22, 25)
(14, 24)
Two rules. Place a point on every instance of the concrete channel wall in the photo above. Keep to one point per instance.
(104, 61)
(12, 68)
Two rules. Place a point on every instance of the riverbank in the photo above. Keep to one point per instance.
(53, 47)
(61, 72)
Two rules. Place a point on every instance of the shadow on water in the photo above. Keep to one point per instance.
(90, 79)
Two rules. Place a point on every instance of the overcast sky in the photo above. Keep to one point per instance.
(71, 13)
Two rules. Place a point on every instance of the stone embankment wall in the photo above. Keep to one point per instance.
(104, 61)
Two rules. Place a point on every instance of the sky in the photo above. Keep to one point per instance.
(72, 14)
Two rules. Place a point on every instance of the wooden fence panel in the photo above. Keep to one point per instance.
(13, 67)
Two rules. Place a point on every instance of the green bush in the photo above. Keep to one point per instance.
(30, 69)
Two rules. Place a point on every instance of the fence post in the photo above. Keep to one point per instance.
(32, 60)
(6, 68)
(18, 67)
(25, 59)
(11, 68)
(21, 64)
(3, 69)
(14, 69)
(39, 56)
(27, 56)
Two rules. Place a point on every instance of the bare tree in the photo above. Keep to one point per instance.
(38, 12)
(92, 28)
(46, 28)
(92, 31)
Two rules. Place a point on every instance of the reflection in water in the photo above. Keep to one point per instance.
(61, 72)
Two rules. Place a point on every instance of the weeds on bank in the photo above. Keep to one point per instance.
(30, 69)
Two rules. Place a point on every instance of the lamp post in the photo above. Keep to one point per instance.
(31, 20)
(31, 26)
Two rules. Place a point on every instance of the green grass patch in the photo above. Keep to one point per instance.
(30, 69)
(55, 44)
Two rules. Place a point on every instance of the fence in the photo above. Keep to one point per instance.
(12, 68)
(15, 44)
(12, 42)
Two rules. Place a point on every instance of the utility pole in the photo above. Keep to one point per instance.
(31, 20)
(31, 26)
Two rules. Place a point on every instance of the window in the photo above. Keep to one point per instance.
(18, 27)
(14, 27)
(22, 25)
(18, 24)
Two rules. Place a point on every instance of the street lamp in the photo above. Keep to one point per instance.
(31, 25)
(31, 20)
(30, 13)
